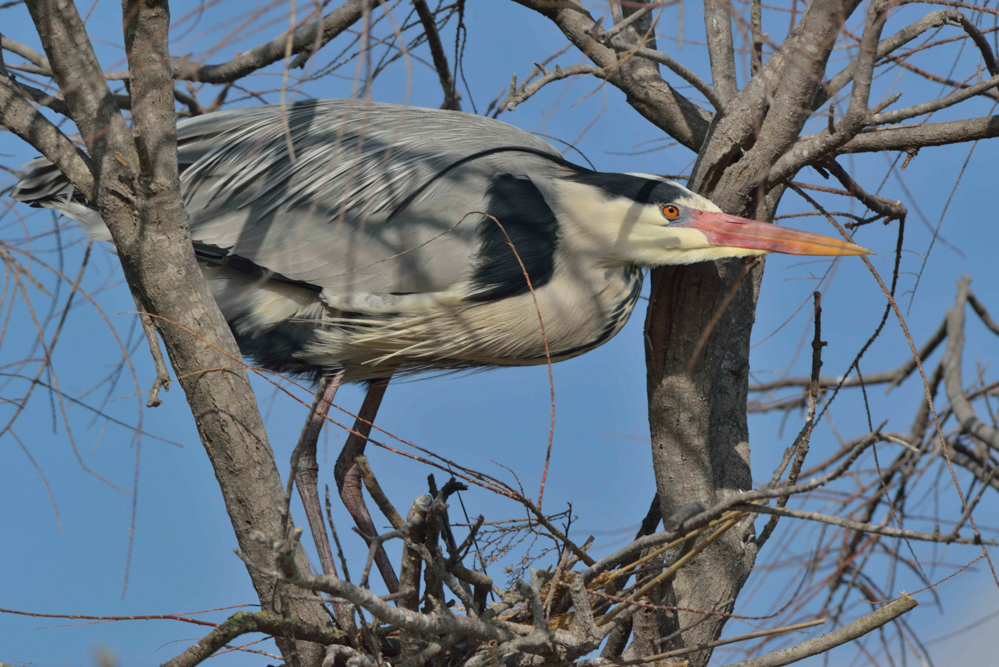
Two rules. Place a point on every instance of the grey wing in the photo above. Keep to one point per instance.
(371, 204)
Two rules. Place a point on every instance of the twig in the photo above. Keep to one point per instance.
(922, 373)
(409, 571)
(451, 96)
(899, 115)
(862, 527)
(162, 372)
(670, 571)
(677, 68)
(303, 42)
(801, 442)
(722, 642)
(523, 93)
(243, 623)
(624, 23)
(965, 413)
(831, 640)
(336, 537)
(377, 494)
(892, 210)
(893, 378)
(26, 122)
(26, 52)
(759, 38)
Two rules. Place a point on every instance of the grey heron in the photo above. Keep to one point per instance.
(358, 241)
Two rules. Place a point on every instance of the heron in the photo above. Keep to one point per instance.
(347, 241)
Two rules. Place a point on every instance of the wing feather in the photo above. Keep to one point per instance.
(324, 207)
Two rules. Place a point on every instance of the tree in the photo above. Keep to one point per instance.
(750, 146)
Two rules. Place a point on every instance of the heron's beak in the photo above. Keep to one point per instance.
(730, 231)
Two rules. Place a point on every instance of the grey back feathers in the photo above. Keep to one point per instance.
(342, 233)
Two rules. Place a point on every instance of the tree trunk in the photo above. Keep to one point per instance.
(700, 319)
(138, 195)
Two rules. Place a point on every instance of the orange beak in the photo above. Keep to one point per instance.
(730, 231)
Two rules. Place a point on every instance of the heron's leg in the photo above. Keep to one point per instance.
(348, 477)
(307, 473)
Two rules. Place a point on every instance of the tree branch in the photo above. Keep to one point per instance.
(956, 97)
(139, 200)
(861, 527)
(26, 122)
(909, 137)
(306, 41)
(965, 413)
(675, 66)
(451, 96)
(894, 377)
(244, 623)
(932, 20)
(520, 95)
(721, 49)
(831, 640)
(884, 207)
(652, 97)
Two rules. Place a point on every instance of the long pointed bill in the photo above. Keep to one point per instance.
(730, 231)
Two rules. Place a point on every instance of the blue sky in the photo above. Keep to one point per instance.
(182, 557)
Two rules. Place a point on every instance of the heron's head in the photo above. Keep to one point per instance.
(649, 221)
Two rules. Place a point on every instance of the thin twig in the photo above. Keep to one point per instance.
(831, 640)
(863, 527)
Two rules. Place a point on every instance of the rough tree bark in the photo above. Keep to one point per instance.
(700, 317)
(139, 198)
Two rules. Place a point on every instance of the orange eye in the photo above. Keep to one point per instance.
(671, 212)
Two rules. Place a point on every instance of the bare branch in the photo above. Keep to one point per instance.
(723, 642)
(137, 179)
(520, 95)
(629, 21)
(801, 442)
(864, 71)
(244, 623)
(306, 41)
(675, 66)
(932, 20)
(34, 57)
(893, 377)
(162, 372)
(653, 98)
(883, 207)
(759, 38)
(858, 115)
(451, 95)
(970, 423)
(908, 137)
(25, 121)
(935, 105)
(721, 49)
(377, 494)
(862, 527)
(830, 640)
(403, 618)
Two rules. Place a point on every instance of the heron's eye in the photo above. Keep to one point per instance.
(671, 211)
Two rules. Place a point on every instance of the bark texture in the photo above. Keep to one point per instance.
(700, 317)
(139, 198)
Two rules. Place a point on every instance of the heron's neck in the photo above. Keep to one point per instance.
(590, 224)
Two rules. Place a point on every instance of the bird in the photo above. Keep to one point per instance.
(363, 240)
(353, 241)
